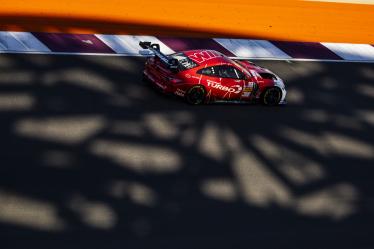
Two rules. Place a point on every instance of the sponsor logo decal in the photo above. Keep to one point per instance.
(217, 85)
(248, 87)
(247, 90)
(204, 56)
(180, 92)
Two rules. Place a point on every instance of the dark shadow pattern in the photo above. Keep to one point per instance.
(91, 157)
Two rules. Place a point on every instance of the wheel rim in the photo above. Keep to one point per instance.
(272, 96)
(196, 95)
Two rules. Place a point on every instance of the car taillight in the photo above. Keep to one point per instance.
(174, 80)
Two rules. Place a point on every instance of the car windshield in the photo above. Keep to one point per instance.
(183, 61)
(244, 70)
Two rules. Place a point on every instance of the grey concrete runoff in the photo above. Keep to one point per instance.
(92, 157)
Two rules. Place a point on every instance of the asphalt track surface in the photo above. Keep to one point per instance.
(91, 157)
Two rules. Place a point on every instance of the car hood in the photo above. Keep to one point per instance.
(264, 77)
(251, 66)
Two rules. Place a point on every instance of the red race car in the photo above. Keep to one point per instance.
(206, 76)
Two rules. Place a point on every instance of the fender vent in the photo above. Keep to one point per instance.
(268, 76)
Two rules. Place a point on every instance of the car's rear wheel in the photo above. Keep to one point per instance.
(271, 96)
(195, 95)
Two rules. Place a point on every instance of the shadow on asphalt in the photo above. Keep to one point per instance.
(91, 157)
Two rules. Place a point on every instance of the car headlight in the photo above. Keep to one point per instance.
(279, 83)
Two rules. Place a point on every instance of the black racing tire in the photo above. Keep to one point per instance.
(271, 96)
(195, 95)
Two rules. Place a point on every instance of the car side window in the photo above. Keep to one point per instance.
(229, 72)
(210, 71)
(222, 71)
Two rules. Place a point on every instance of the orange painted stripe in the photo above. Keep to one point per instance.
(272, 19)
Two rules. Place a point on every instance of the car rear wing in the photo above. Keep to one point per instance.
(171, 63)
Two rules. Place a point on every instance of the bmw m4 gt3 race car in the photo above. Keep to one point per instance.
(206, 76)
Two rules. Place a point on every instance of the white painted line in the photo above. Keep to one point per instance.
(304, 60)
(8, 42)
(252, 48)
(355, 52)
(21, 41)
(68, 53)
(2, 43)
(30, 41)
(344, 1)
(138, 55)
(129, 44)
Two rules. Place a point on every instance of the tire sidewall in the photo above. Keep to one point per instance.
(193, 88)
(264, 100)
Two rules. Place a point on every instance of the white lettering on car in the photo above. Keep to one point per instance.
(180, 92)
(217, 85)
(203, 56)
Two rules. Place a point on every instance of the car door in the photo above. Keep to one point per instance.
(232, 81)
(210, 79)
(223, 82)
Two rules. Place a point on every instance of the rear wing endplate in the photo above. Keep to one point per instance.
(155, 48)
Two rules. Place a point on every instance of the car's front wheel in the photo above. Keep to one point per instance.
(195, 95)
(271, 96)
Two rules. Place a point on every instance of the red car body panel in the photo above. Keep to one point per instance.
(245, 89)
